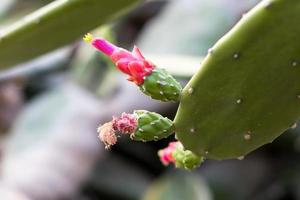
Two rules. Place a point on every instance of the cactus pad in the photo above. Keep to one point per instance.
(247, 91)
(152, 126)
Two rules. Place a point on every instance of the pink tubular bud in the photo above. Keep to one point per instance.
(131, 63)
(104, 46)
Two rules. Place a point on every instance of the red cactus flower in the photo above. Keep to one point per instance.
(166, 154)
(126, 123)
(132, 63)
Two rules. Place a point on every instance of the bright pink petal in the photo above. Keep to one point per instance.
(104, 46)
(122, 65)
(121, 54)
(137, 53)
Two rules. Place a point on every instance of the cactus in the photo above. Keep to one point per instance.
(56, 24)
(247, 91)
(245, 94)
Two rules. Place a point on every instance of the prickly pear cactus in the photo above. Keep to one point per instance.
(247, 91)
(152, 126)
(161, 85)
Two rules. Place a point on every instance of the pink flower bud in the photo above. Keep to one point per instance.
(126, 123)
(107, 135)
(166, 154)
(131, 63)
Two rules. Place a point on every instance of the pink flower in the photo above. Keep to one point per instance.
(132, 63)
(107, 135)
(166, 154)
(125, 124)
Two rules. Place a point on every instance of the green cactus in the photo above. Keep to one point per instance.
(161, 85)
(151, 126)
(56, 24)
(247, 91)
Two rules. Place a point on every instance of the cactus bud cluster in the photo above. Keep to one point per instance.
(141, 126)
(176, 154)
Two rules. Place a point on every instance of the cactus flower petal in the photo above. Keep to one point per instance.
(166, 154)
(131, 63)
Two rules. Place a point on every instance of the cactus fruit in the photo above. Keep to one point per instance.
(247, 91)
(141, 126)
(152, 126)
(176, 154)
(161, 85)
(153, 81)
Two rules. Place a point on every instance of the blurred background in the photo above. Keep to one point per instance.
(55, 90)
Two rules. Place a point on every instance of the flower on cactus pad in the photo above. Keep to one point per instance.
(153, 81)
(131, 63)
(166, 154)
(175, 154)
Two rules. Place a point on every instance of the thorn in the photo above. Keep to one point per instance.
(141, 130)
(192, 130)
(247, 136)
(239, 101)
(210, 51)
(294, 126)
(241, 157)
(191, 90)
(294, 63)
(236, 56)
